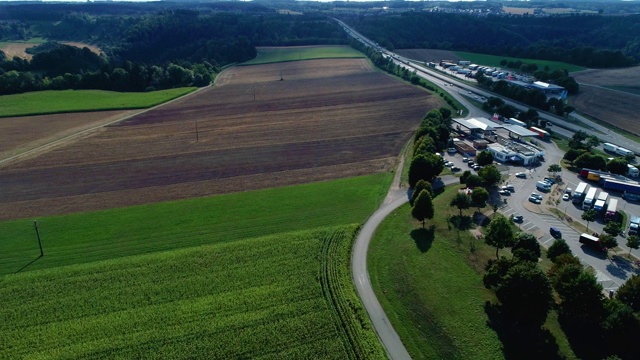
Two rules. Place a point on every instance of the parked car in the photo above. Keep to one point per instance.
(549, 180)
(517, 218)
(465, 159)
(508, 187)
(534, 200)
(470, 163)
(504, 192)
(455, 168)
(566, 197)
(568, 191)
(521, 175)
(555, 232)
(537, 196)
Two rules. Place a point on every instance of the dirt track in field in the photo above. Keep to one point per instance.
(326, 119)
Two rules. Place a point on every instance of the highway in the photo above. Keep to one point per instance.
(563, 127)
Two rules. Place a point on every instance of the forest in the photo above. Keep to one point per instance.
(588, 40)
(159, 45)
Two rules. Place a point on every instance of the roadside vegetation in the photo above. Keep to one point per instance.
(250, 274)
(282, 54)
(52, 102)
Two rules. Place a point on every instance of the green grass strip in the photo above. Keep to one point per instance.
(432, 297)
(282, 54)
(108, 234)
(63, 101)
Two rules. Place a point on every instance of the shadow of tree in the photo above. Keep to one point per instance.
(520, 341)
(463, 222)
(586, 341)
(481, 219)
(423, 237)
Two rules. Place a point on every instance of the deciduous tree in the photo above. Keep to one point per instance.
(559, 247)
(526, 247)
(484, 158)
(629, 292)
(423, 207)
(461, 201)
(420, 185)
(479, 196)
(589, 216)
(499, 234)
(633, 242)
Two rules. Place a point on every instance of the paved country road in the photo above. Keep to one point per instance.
(390, 339)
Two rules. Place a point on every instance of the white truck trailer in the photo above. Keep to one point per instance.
(589, 199)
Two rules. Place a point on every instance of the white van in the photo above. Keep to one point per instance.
(544, 186)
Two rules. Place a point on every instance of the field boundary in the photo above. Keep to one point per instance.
(63, 140)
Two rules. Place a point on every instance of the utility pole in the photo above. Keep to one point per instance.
(35, 225)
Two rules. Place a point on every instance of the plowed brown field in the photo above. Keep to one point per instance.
(610, 95)
(326, 119)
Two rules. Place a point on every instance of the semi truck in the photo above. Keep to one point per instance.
(610, 147)
(612, 210)
(622, 186)
(579, 192)
(589, 199)
(624, 152)
(544, 135)
(632, 171)
(634, 225)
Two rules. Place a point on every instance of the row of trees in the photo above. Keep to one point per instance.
(597, 327)
(581, 155)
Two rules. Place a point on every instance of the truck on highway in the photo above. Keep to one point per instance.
(634, 225)
(624, 152)
(612, 210)
(632, 171)
(589, 199)
(610, 147)
(579, 192)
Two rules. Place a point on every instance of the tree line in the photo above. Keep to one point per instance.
(145, 50)
(587, 40)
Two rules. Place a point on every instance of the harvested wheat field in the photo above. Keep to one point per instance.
(610, 95)
(325, 119)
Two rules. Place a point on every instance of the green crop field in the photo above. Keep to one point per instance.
(280, 54)
(52, 102)
(492, 60)
(267, 297)
(261, 274)
(108, 234)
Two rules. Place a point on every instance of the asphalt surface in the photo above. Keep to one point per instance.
(388, 336)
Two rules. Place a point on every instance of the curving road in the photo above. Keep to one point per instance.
(388, 336)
